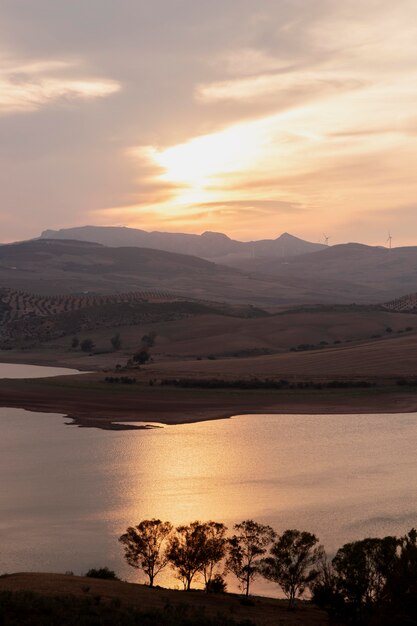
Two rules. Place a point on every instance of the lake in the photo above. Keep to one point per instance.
(17, 370)
(67, 493)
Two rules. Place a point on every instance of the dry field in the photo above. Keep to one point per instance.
(386, 359)
(264, 612)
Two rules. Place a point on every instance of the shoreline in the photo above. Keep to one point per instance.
(91, 403)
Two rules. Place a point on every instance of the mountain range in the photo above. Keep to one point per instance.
(340, 274)
(209, 245)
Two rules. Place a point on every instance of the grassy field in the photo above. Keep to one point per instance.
(193, 606)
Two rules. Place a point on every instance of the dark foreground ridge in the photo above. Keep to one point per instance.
(38, 599)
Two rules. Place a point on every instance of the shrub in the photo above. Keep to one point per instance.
(141, 357)
(102, 572)
(87, 345)
(216, 585)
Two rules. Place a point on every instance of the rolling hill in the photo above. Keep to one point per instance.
(342, 274)
(47, 266)
(355, 272)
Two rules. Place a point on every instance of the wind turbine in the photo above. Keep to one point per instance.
(326, 239)
(389, 241)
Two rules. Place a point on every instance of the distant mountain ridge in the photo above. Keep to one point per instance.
(209, 245)
(340, 274)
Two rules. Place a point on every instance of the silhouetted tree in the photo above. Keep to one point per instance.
(324, 588)
(116, 342)
(192, 549)
(402, 577)
(144, 546)
(363, 569)
(215, 549)
(291, 565)
(244, 549)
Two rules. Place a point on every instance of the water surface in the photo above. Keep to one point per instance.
(66, 493)
(18, 370)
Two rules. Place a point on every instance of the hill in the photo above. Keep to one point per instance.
(35, 318)
(340, 274)
(58, 598)
(73, 267)
(209, 245)
(405, 304)
(385, 359)
(355, 272)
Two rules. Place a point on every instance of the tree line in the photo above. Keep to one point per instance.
(372, 581)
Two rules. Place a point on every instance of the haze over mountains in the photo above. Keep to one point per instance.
(209, 245)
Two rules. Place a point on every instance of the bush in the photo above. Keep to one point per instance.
(216, 585)
(141, 357)
(102, 572)
(87, 345)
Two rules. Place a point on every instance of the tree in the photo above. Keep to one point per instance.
(195, 548)
(245, 548)
(75, 342)
(363, 568)
(402, 578)
(215, 550)
(324, 588)
(116, 342)
(144, 546)
(87, 345)
(294, 555)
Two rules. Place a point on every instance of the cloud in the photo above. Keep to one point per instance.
(215, 108)
(305, 84)
(30, 86)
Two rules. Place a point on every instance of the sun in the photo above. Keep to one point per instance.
(198, 162)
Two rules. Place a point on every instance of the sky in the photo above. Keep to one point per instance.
(246, 117)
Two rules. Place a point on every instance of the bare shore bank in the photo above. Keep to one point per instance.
(91, 402)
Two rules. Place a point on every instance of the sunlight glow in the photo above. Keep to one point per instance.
(202, 158)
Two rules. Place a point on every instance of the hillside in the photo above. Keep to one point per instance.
(380, 359)
(209, 245)
(353, 271)
(92, 598)
(72, 267)
(26, 317)
(405, 304)
(339, 274)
